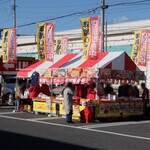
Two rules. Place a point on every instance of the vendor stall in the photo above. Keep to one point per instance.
(102, 108)
(109, 68)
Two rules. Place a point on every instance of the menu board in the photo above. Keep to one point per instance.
(58, 73)
(54, 72)
(140, 75)
(61, 73)
(73, 72)
(104, 73)
(121, 74)
(46, 73)
(88, 72)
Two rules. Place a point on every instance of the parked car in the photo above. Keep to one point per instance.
(8, 96)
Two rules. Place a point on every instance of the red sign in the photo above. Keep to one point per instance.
(49, 41)
(94, 38)
(9, 45)
(142, 59)
(12, 46)
(57, 80)
(64, 45)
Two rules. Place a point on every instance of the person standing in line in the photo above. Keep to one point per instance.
(68, 101)
(145, 97)
(17, 90)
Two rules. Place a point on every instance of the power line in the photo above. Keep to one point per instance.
(129, 3)
(63, 16)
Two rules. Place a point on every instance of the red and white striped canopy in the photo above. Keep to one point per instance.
(106, 60)
(41, 65)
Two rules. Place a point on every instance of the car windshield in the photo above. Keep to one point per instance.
(11, 80)
(10, 83)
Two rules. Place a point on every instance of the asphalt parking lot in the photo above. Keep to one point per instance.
(54, 132)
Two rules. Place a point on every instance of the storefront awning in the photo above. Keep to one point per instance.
(59, 60)
(106, 60)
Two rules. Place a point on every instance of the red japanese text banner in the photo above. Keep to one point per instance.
(90, 36)
(9, 45)
(64, 45)
(94, 37)
(49, 42)
(142, 57)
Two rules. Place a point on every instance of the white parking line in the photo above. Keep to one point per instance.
(118, 134)
(79, 128)
(45, 118)
(7, 113)
(36, 121)
(114, 124)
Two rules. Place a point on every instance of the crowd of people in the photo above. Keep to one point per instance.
(88, 91)
(27, 89)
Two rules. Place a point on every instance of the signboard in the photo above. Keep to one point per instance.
(6, 68)
(73, 72)
(45, 41)
(142, 57)
(85, 26)
(9, 45)
(94, 38)
(136, 47)
(61, 45)
(88, 72)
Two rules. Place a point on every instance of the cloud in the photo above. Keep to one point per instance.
(121, 19)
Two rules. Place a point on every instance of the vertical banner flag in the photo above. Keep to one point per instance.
(90, 37)
(9, 45)
(142, 57)
(49, 42)
(41, 41)
(94, 37)
(45, 41)
(64, 45)
(58, 46)
(85, 25)
(136, 47)
(61, 45)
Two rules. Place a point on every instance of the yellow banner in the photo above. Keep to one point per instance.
(85, 25)
(136, 47)
(58, 46)
(41, 41)
(5, 40)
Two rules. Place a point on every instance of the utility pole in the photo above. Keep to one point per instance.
(103, 7)
(14, 13)
(106, 35)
